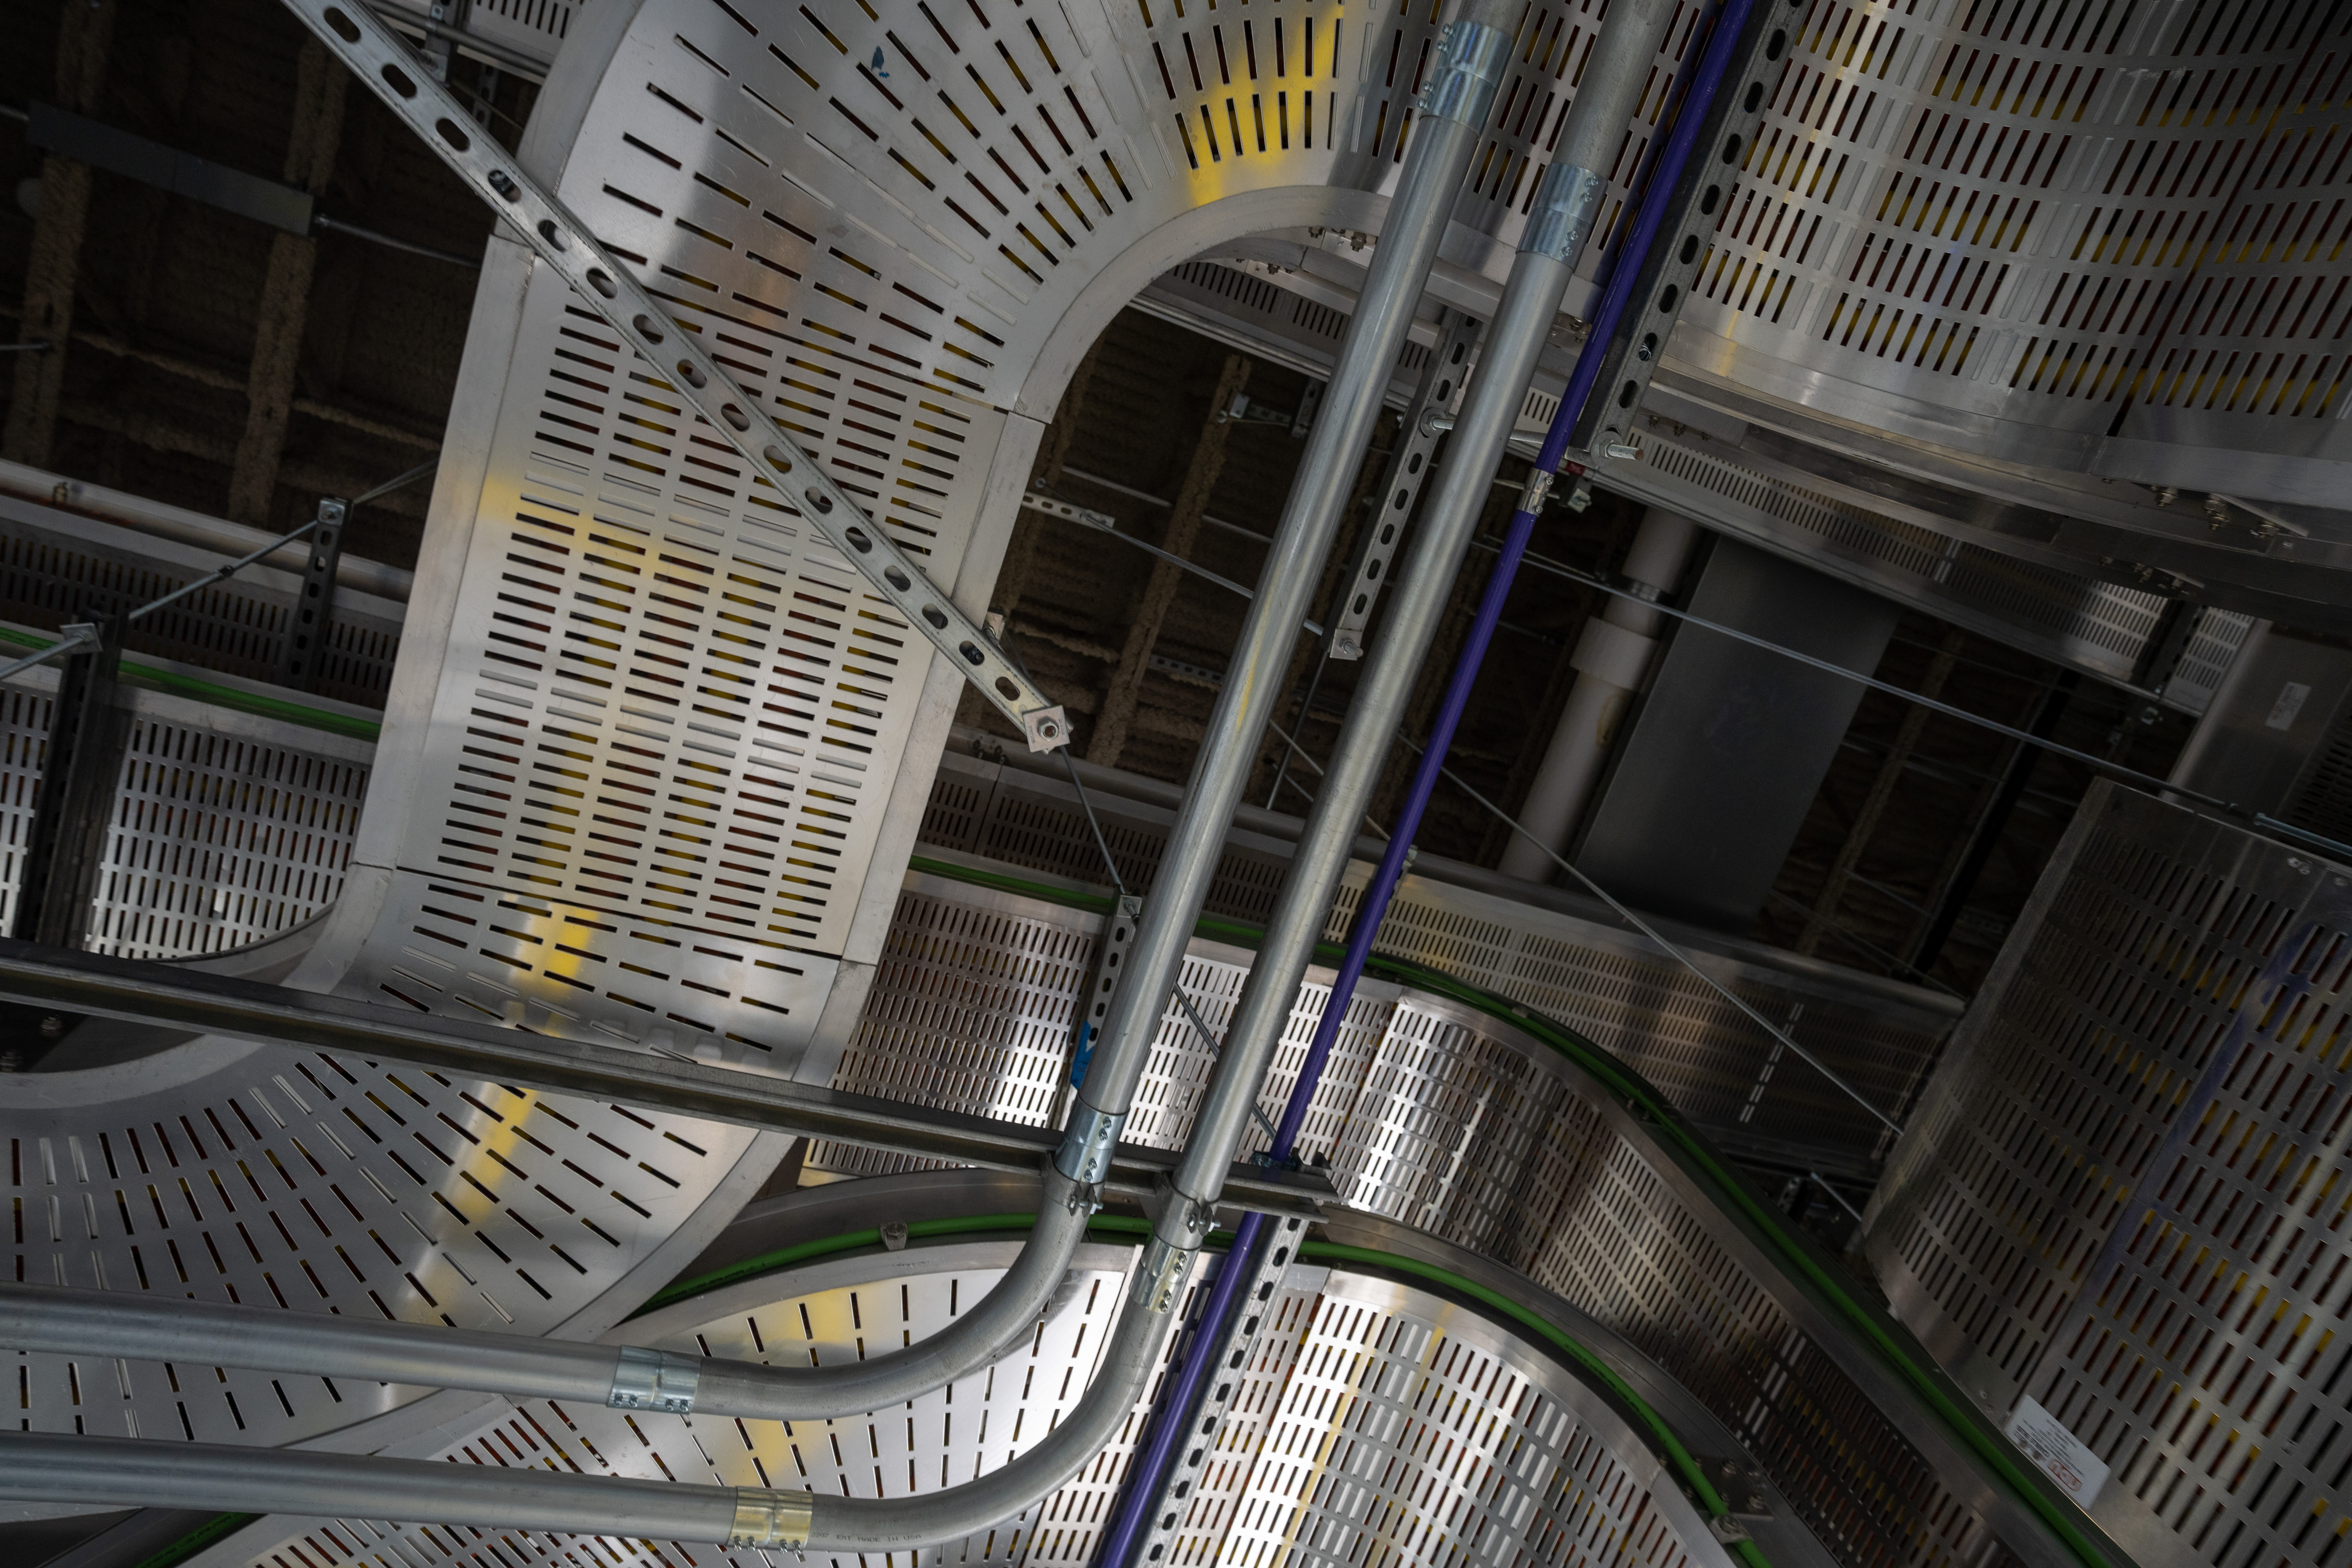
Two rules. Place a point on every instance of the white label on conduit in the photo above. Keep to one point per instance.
(2289, 704)
(2043, 1439)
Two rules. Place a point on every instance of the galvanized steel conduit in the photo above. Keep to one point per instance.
(1566, 203)
(133, 1326)
(1472, 58)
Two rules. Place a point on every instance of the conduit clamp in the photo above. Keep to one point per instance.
(1467, 73)
(764, 1518)
(655, 1380)
(1566, 203)
(1087, 1146)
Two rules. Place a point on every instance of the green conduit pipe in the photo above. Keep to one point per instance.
(217, 696)
(1964, 1424)
(1123, 1228)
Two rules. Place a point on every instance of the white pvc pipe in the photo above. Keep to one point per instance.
(1612, 660)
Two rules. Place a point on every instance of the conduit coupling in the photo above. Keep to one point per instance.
(1566, 201)
(1088, 1144)
(1470, 60)
(763, 1518)
(1159, 1275)
(655, 1380)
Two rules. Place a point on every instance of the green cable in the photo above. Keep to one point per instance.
(214, 694)
(1645, 1102)
(1670, 1447)
(196, 1539)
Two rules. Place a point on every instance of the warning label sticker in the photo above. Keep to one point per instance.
(2045, 1439)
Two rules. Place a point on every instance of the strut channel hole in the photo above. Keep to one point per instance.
(1690, 249)
(1388, 531)
(1358, 608)
(1731, 150)
(1775, 44)
(818, 499)
(1444, 393)
(1755, 96)
(857, 539)
(550, 233)
(452, 135)
(776, 459)
(735, 417)
(601, 284)
(649, 329)
(972, 653)
(1006, 689)
(503, 182)
(1668, 297)
(1372, 570)
(937, 617)
(1625, 398)
(345, 28)
(397, 79)
(896, 579)
(692, 373)
(1707, 203)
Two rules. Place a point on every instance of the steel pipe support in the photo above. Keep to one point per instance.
(1611, 660)
(1474, 54)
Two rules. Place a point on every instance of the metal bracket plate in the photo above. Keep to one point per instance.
(795, 481)
(1168, 1508)
(1409, 466)
(1687, 239)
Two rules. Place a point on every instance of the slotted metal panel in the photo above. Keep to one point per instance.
(1445, 1120)
(1462, 1443)
(57, 566)
(227, 829)
(973, 1008)
(1996, 226)
(304, 1182)
(2123, 1195)
(1609, 984)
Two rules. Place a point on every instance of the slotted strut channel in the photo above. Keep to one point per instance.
(688, 369)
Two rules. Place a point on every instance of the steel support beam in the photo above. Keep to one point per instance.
(1969, 863)
(304, 646)
(1882, 791)
(89, 728)
(1052, 454)
(285, 313)
(1115, 709)
(53, 269)
(82, 983)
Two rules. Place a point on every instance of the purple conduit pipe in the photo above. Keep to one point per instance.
(1713, 63)
(1181, 1392)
